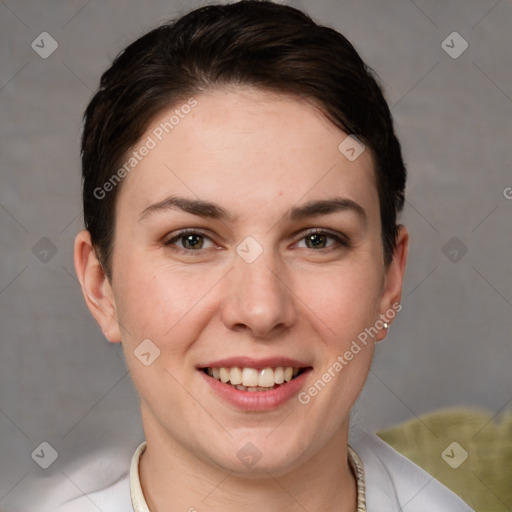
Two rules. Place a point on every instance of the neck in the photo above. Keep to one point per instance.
(175, 480)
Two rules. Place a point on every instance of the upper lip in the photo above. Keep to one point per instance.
(249, 362)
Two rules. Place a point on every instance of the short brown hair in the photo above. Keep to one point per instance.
(256, 43)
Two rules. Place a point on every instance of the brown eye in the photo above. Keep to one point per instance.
(192, 241)
(188, 240)
(320, 238)
(316, 240)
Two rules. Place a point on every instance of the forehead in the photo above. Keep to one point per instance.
(245, 146)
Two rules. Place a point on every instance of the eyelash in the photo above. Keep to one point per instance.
(341, 240)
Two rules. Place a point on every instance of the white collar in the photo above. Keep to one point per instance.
(138, 502)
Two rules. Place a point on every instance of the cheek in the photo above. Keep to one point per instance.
(162, 302)
(168, 308)
(344, 299)
(343, 305)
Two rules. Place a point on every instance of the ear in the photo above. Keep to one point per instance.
(394, 277)
(96, 287)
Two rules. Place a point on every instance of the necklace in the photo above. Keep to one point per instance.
(357, 466)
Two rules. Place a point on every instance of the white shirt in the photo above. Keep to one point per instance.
(386, 482)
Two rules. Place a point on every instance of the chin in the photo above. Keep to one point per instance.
(256, 455)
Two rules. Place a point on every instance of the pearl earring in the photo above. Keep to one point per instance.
(386, 325)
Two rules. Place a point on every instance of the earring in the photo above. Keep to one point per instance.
(386, 325)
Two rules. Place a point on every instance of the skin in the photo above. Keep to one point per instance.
(256, 154)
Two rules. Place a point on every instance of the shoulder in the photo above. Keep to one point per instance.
(394, 482)
(98, 481)
(114, 498)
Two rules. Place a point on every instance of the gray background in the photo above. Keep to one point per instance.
(63, 383)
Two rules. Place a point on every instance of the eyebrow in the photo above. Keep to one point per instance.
(211, 210)
(193, 206)
(325, 207)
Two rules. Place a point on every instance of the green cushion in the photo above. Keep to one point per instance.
(483, 479)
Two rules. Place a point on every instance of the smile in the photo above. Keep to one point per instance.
(252, 379)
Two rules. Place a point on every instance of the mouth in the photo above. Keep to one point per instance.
(254, 380)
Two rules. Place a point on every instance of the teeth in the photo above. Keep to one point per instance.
(224, 374)
(235, 376)
(266, 378)
(251, 379)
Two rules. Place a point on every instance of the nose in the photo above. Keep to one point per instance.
(258, 299)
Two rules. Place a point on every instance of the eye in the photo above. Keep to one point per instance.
(317, 239)
(190, 240)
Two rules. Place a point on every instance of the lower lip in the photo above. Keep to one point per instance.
(257, 401)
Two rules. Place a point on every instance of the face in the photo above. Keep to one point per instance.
(280, 266)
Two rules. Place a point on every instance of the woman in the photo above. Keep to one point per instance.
(242, 181)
